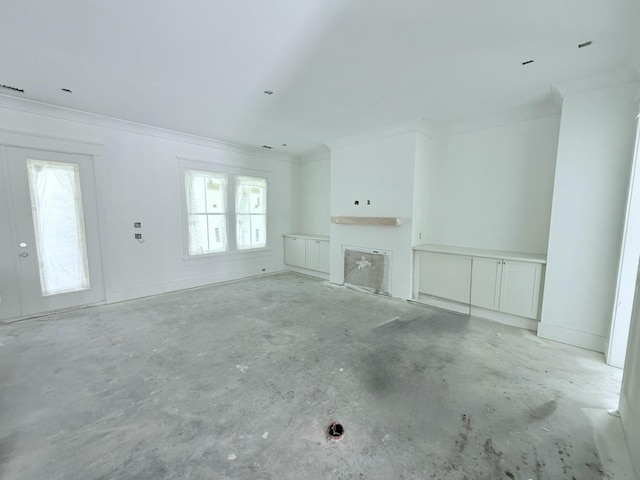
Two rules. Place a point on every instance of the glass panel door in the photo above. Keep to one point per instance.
(54, 237)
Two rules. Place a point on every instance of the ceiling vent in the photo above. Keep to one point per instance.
(13, 89)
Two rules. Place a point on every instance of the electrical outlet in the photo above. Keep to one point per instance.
(137, 236)
(137, 225)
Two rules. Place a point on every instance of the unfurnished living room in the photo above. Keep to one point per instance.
(319, 239)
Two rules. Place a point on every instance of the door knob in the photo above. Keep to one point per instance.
(24, 254)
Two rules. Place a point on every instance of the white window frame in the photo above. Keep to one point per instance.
(247, 180)
(231, 172)
(222, 180)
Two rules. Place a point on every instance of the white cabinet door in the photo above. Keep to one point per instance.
(520, 289)
(323, 265)
(485, 282)
(295, 251)
(445, 276)
(317, 257)
(313, 254)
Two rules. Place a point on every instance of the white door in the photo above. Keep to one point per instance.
(444, 276)
(520, 292)
(295, 251)
(50, 255)
(485, 283)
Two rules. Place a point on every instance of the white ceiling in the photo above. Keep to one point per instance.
(337, 67)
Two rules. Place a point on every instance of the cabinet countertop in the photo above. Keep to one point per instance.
(478, 252)
(306, 235)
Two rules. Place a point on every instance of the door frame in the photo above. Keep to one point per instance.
(621, 316)
(63, 145)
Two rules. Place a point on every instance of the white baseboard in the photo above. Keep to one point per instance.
(573, 337)
(505, 318)
(116, 296)
(442, 303)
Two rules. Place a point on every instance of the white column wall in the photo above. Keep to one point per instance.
(315, 185)
(382, 171)
(589, 199)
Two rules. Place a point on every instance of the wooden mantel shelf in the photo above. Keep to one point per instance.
(383, 221)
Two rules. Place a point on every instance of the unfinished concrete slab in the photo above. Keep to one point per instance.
(242, 380)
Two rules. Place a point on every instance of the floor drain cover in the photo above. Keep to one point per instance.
(335, 431)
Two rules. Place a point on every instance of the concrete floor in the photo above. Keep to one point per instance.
(240, 381)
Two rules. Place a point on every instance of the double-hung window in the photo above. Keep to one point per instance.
(206, 211)
(251, 212)
(224, 212)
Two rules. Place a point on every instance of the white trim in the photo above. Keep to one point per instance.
(631, 427)
(321, 153)
(619, 331)
(606, 80)
(505, 118)
(36, 141)
(223, 276)
(505, 318)
(306, 271)
(573, 337)
(38, 108)
(415, 126)
(194, 163)
(441, 303)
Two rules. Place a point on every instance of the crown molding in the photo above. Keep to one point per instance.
(508, 117)
(317, 154)
(53, 111)
(420, 126)
(597, 82)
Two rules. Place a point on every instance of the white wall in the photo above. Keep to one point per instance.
(420, 190)
(630, 394)
(315, 180)
(491, 188)
(138, 180)
(589, 198)
(382, 171)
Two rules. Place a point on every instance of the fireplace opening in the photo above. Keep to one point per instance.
(367, 270)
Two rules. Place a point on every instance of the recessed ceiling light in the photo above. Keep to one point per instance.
(284, 144)
(268, 147)
(66, 90)
(527, 62)
(585, 44)
(268, 92)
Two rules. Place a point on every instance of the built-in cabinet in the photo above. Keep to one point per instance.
(444, 276)
(506, 286)
(308, 253)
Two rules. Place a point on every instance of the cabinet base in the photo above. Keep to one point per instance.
(306, 271)
(505, 318)
(442, 303)
(500, 317)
